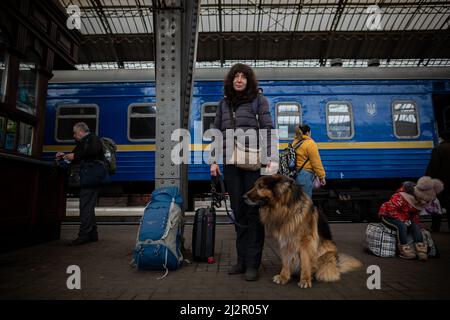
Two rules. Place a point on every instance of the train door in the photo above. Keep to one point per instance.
(442, 111)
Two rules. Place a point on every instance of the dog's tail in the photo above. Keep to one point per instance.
(347, 263)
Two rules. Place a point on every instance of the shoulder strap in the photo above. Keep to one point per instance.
(255, 107)
(307, 159)
(295, 148)
(255, 104)
(298, 144)
(221, 105)
(233, 122)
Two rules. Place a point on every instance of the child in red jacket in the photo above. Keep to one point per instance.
(401, 213)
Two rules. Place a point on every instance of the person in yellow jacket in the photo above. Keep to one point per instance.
(307, 155)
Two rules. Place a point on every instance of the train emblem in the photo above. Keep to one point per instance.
(371, 109)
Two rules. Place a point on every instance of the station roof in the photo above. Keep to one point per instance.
(119, 33)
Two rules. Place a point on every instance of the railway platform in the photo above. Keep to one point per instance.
(39, 272)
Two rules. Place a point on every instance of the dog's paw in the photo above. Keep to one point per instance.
(279, 279)
(305, 283)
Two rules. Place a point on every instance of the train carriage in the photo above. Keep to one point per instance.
(374, 126)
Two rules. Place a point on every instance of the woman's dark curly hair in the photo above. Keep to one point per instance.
(251, 90)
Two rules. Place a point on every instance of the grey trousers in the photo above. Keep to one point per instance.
(88, 200)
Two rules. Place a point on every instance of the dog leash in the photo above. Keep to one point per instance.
(218, 197)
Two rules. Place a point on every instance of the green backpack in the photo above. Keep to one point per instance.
(109, 150)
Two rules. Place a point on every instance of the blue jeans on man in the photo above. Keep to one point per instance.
(305, 179)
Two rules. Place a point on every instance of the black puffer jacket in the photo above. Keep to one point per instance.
(89, 148)
(245, 118)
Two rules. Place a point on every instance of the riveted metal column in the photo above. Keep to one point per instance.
(189, 54)
(175, 24)
(168, 91)
(188, 58)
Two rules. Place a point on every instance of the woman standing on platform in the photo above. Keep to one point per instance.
(308, 160)
(237, 111)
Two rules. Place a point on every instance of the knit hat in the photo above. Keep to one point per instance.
(426, 188)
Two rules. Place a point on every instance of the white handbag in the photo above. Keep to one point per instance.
(246, 158)
(243, 157)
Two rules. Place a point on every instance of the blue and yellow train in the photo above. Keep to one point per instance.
(374, 126)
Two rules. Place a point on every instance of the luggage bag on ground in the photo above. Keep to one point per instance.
(158, 244)
(380, 240)
(204, 234)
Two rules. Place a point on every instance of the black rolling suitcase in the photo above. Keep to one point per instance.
(204, 234)
(204, 231)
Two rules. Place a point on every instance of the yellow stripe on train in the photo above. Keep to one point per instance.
(377, 145)
(120, 147)
(352, 145)
(321, 145)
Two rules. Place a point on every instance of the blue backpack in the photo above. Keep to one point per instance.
(158, 244)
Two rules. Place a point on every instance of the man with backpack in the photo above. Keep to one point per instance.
(89, 153)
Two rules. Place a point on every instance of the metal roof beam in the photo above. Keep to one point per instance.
(104, 21)
(283, 45)
(328, 44)
(221, 44)
(324, 4)
(258, 31)
(297, 20)
(419, 5)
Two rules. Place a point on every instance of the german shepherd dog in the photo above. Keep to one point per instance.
(303, 233)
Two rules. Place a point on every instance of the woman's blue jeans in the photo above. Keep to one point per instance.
(305, 179)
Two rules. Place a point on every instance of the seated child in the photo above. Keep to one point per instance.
(401, 213)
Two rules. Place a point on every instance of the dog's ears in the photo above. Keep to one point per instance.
(283, 187)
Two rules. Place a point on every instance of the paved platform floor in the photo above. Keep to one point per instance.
(39, 272)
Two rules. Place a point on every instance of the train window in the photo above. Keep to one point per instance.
(208, 116)
(339, 120)
(141, 122)
(288, 118)
(405, 119)
(68, 115)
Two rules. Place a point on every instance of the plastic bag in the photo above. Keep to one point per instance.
(316, 183)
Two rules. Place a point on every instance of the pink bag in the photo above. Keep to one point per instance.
(316, 183)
